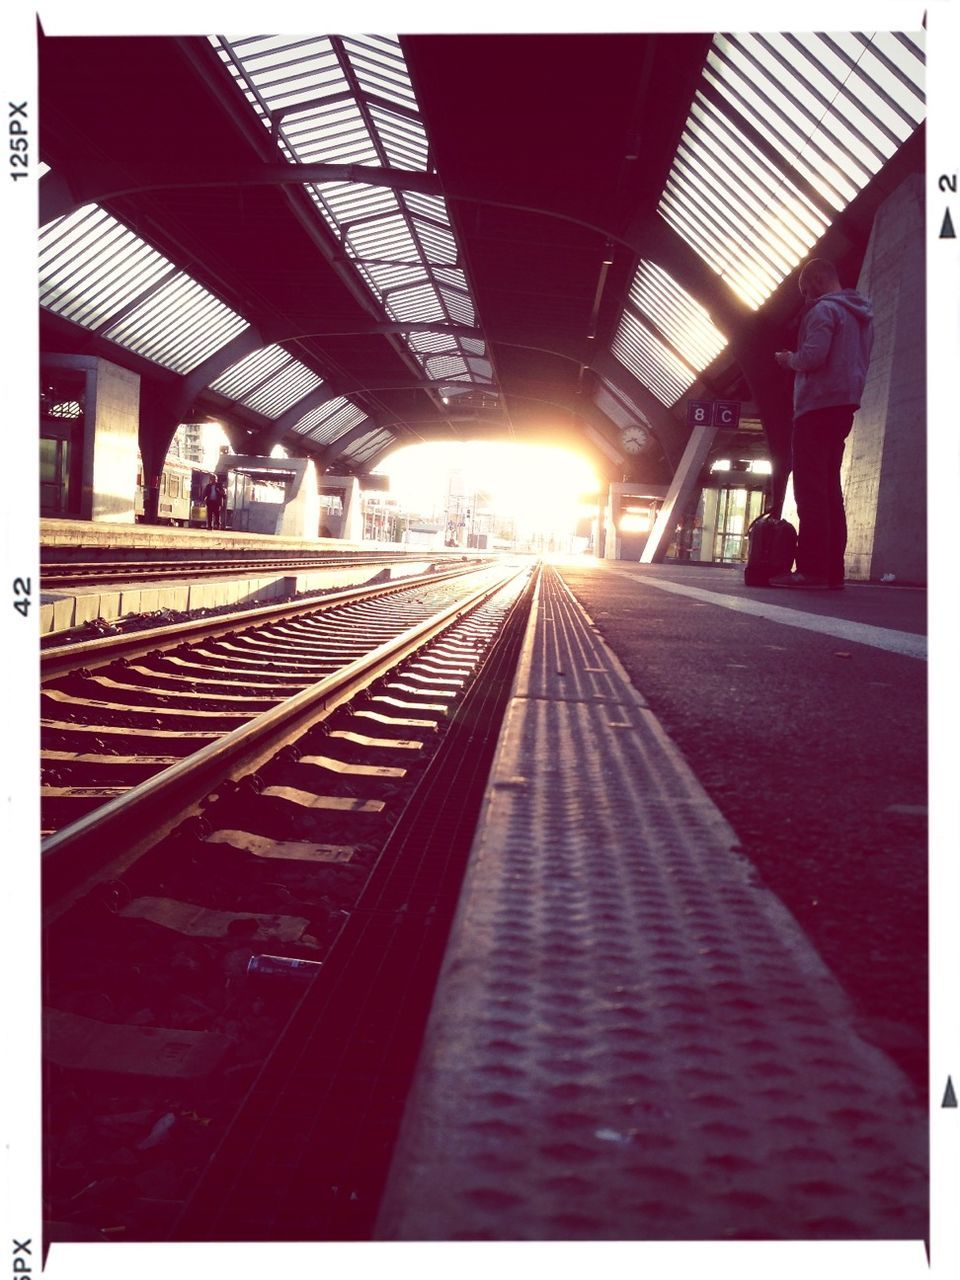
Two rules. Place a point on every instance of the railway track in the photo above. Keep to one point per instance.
(64, 575)
(213, 869)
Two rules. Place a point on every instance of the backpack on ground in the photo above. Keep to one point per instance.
(772, 547)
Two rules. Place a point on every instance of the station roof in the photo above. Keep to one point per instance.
(346, 243)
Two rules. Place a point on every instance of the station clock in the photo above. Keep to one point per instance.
(634, 436)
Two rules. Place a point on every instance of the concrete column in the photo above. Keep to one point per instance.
(884, 471)
(708, 530)
(681, 490)
(108, 472)
(351, 526)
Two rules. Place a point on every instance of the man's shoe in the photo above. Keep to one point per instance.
(799, 580)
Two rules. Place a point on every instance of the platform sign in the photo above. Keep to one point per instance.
(726, 413)
(699, 413)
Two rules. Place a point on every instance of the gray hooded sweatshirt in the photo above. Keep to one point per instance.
(836, 336)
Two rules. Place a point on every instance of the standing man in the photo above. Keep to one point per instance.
(213, 497)
(836, 337)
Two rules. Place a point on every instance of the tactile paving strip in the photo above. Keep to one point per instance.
(631, 1039)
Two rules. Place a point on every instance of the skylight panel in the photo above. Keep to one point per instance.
(65, 409)
(445, 366)
(431, 342)
(822, 162)
(249, 372)
(349, 201)
(328, 421)
(418, 303)
(350, 100)
(178, 326)
(288, 386)
(404, 140)
(833, 107)
(382, 279)
(480, 369)
(387, 237)
(459, 306)
(438, 242)
(91, 266)
(335, 134)
(368, 446)
(683, 322)
(381, 68)
(290, 72)
(427, 206)
(650, 361)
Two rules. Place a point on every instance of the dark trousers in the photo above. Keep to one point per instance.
(818, 441)
(213, 515)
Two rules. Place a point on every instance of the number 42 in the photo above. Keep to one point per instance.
(21, 588)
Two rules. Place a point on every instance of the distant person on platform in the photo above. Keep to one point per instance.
(213, 497)
(833, 351)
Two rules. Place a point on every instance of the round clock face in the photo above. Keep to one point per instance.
(633, 438)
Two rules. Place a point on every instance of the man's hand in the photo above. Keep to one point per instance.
(782, 358)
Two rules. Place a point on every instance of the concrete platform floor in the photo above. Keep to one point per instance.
(113, 535)
(631, 1038)
(813, 745)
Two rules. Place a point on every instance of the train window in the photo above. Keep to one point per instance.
(174, 486)
(163, 482)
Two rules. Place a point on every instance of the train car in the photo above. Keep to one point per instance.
(179, 501)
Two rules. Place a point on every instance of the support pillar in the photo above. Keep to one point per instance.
(685, 481)
(884, 470)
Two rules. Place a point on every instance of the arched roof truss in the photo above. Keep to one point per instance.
(349, 100)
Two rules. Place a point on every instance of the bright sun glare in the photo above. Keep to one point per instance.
(540, 487)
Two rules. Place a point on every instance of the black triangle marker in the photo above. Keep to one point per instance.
(949, 1098)
(946, 231)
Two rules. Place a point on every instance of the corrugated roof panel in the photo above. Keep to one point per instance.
(178, 326)
(833, 108)
(381, 68)
(91, 266)
(678, 316)
(650, 361)
(427, 206)
(481, 370)
(439, 243)
(348, 201)
(253, 369)
(459, 306)
(334, 134)
(431, 342)
(445, 366)
(359, 110)
(368, 446)
(345, 416)
(284, 70)
(382, 279)
(327, 422)
(417, 303)
(404, 140)
(288, 386)
(387, 237)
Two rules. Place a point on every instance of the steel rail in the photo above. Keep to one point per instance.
(63, 659)
(72, 860)
(88, 572)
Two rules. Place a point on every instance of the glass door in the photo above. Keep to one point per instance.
(736, 511)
